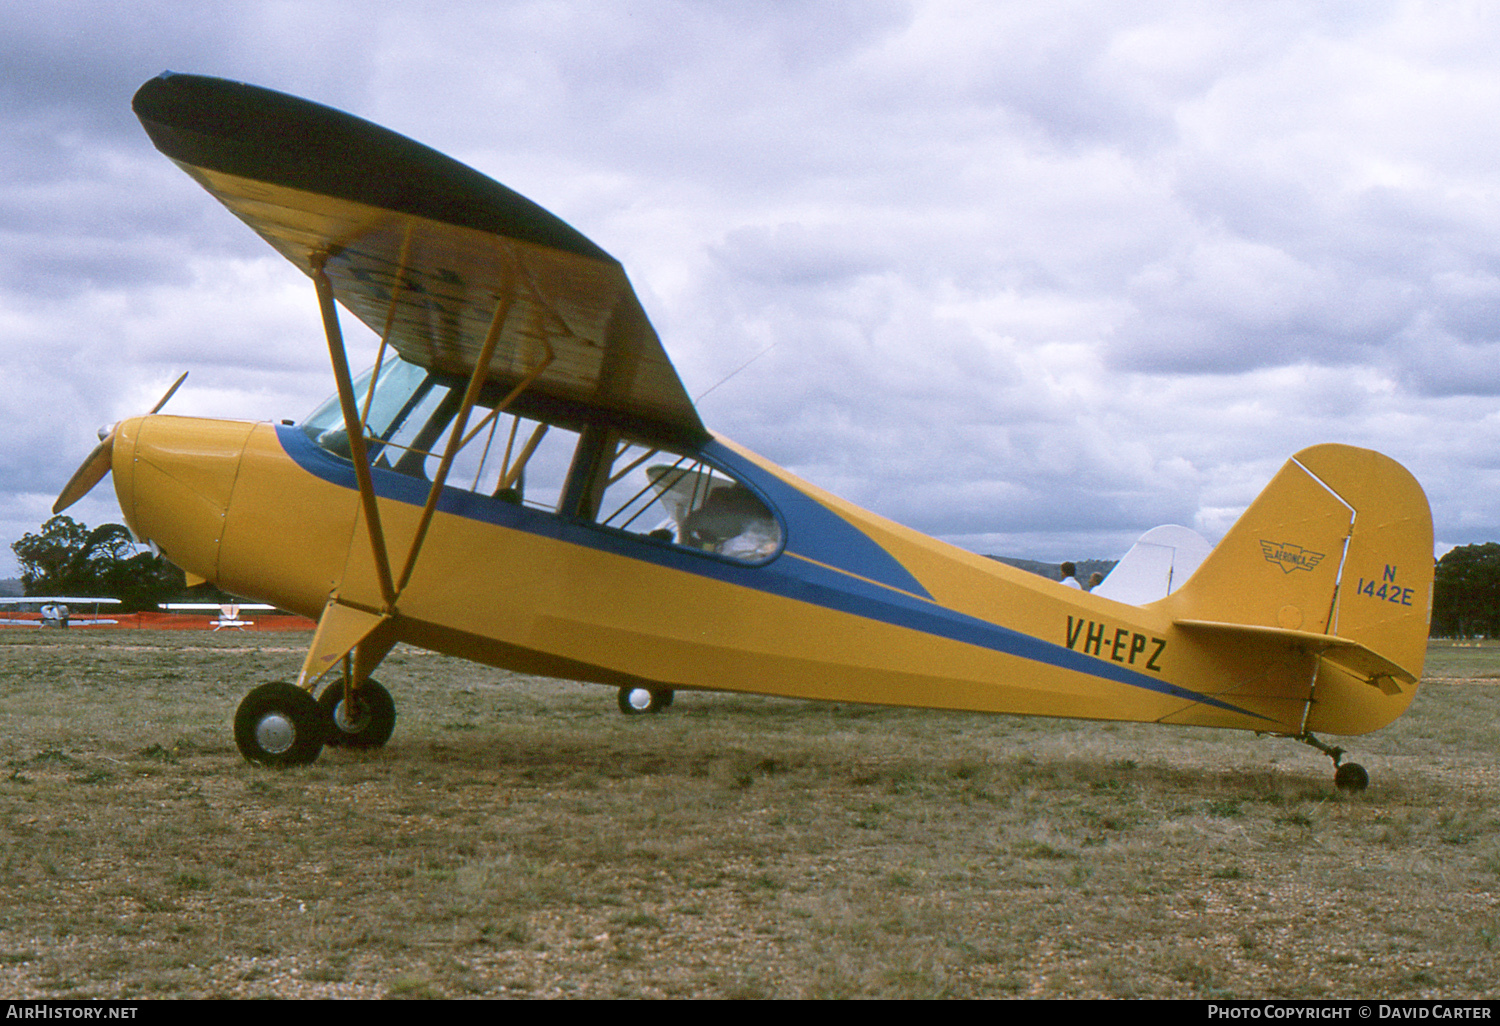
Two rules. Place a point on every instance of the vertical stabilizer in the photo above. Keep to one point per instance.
(1339, 543)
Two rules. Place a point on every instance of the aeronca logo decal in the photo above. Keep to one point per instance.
(1290, 557)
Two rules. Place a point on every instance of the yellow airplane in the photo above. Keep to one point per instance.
(523, 481)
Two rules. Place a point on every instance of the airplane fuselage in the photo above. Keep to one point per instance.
(850, 608)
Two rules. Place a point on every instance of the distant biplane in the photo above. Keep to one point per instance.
(522, 480)
(57, 611)
(229, 612)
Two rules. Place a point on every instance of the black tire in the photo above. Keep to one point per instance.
(640, 701)
(374, 715)
(1351, 778)
(280, 725)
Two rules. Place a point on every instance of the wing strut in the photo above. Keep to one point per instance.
(343, 628)
(355, 429)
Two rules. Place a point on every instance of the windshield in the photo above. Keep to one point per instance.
(400, 385)
(621, 484)
(409, 421)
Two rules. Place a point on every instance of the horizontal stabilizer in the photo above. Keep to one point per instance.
(1350, 656)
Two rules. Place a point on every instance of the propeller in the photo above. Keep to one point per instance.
(93, 469)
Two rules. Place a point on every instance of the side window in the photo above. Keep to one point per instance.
(514, 459)
(685, 501)
(508, 457)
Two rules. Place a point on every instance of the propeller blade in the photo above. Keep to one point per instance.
(170, 393)
(93, 469)
(90, 473)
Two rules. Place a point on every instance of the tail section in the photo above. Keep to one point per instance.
(1334, 557)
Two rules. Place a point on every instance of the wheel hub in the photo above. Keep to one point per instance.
(350, 724)
(275, 733)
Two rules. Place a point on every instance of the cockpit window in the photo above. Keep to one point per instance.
(688, 502)
(601, 476)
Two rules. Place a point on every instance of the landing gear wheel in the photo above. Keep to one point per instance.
(637, 701)
(280, 725)
(1351, 778)
(368, 724)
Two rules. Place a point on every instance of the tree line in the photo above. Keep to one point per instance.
(1466, 592)
(70, 558)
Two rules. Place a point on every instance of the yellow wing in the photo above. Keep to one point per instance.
(424, 250)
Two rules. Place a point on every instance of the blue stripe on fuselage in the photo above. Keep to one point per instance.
(848, 571)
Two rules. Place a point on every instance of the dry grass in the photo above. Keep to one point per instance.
(520, 837)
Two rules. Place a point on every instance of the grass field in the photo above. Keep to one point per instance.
(520, 837)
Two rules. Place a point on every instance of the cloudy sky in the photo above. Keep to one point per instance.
(1030, 277)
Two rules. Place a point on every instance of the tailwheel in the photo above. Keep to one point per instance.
(280, 725)
(637, 701)
(1351, 778)
(365, 720)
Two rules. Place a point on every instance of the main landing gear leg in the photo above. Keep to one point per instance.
(1349, 777)
(361, 717)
